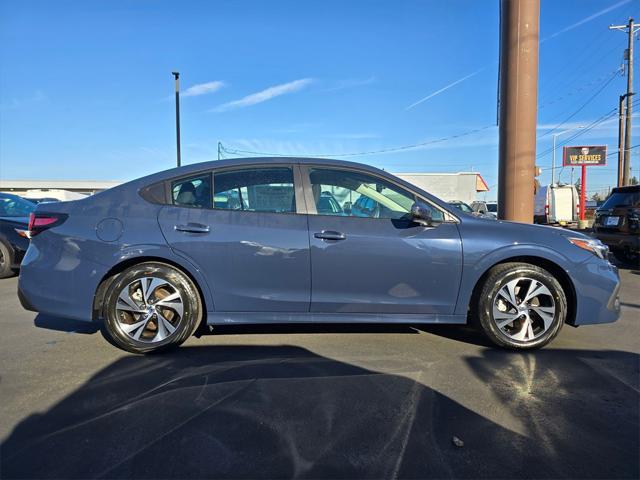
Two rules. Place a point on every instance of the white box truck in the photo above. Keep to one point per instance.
(556, 204)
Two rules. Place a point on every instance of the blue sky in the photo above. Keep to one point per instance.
(86, 86)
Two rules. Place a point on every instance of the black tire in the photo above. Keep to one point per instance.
(497, 278)
(115, 318)
(6, 258)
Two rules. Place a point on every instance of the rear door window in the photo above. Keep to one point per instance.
(265, 189)
(194, 192)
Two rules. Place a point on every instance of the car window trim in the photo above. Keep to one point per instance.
(311, 206)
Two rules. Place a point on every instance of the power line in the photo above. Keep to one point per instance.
(580, 132)
(371, 152)
(612, 113)
(576, 90)
(589, 100)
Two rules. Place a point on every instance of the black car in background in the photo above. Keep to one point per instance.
(14, 221)
(617, 224)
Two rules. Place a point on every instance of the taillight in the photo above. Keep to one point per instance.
(41, 221)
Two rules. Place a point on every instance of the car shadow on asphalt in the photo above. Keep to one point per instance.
(65, 324)
(284, 412)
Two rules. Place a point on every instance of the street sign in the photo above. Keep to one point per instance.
(584, 156)
(594, 155)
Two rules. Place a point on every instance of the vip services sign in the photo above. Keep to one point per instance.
(594, 155)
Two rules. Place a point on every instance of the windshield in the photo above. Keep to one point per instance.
(492, 207)
(15, 207)
(622, 199)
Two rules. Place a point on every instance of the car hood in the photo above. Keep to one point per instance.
(532, 230)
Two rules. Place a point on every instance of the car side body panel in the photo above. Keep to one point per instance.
(65, 264)
(254, 261)
(384, 266)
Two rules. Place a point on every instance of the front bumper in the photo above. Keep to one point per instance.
(597, 287)
(619, 241)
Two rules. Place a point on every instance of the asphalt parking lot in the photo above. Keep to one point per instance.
(319, 402)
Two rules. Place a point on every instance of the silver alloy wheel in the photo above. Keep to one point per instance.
(149, 309)
(524, 309)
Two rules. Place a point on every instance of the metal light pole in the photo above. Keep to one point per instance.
(553, 160)
(177, 77)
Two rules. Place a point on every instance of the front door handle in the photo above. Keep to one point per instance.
(330, 235)
(192, 228)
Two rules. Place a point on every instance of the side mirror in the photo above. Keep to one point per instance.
(421, 214)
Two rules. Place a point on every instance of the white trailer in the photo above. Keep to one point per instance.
(556, 204)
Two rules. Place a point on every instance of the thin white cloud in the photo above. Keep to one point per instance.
(446, 87)
(559, 32)
(586, 19)
(352, 136)
(16, 103)
(351, 83)
(574, 127)
(266, 94)
(203, 88)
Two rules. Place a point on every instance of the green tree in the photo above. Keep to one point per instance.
(634, 180)
(596, 197)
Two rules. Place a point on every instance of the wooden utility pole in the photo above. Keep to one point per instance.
(518, 103)
(631, 29)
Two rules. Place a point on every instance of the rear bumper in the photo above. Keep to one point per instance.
(58, 285)
(619, 240)
(24, 301)
(597, 287)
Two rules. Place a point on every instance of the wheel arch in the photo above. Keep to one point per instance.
(110, 276)
(555, 269)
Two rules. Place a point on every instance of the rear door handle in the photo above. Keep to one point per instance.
(192, 228)
(330, 235)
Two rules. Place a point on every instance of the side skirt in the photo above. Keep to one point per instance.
(225, 318)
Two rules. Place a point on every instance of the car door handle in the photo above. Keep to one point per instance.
(330, 235)
(192, 228)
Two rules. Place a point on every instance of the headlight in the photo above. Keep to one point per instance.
(591, 245)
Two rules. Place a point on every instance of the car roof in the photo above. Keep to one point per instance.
(627, 189)
(194, 168)
(203, 167)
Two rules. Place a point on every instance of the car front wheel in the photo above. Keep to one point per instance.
(521, 306)
(150, 307)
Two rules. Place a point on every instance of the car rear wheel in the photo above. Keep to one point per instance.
(521, 306)
(151, 307)
(5, 262)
